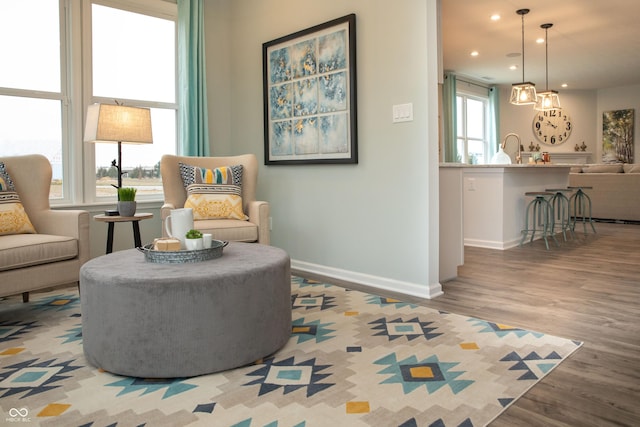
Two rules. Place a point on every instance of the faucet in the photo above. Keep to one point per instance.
(504, 144)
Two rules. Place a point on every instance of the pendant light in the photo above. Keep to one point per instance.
(547, 100)
(523, 93)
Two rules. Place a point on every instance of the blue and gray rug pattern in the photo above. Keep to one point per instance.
(353, 359)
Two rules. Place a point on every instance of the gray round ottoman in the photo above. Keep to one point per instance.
(152, 320)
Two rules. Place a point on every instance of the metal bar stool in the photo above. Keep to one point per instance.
(581, 208)
(560, 204)
(542, 212)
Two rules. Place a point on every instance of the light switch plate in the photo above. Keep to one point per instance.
(403, 113)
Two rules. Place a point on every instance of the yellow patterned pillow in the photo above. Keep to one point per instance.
(215, 201)
(13, 218)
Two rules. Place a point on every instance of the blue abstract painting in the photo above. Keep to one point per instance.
(281, 104)
(280, 66)
(303, 59)
(310, 95)
(306, 97)
(332, 52)
(333, 134)
(281, 141)
(332, 93)
(305, 136)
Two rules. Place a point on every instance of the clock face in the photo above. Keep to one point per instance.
(552, 127)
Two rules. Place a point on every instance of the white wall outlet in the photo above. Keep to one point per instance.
(471, 184)
(403, 113)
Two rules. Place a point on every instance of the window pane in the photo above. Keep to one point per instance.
(140, 162)
(460, 156)
(476, 152)
(33, 126)
(133, 55)
(30, 34)
(475, 118)
(459, 116)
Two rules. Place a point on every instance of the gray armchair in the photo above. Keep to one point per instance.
(54, 254)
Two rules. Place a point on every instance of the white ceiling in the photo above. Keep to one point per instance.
(593, 44)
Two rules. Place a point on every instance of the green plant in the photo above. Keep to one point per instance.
(127, 194)
(193, 234)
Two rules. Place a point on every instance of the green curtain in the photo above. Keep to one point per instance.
(193, 128)
(494, 119)
(449, 118)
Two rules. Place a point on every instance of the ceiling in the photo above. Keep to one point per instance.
(593, 44)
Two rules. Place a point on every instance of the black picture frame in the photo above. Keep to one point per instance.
(310, 96)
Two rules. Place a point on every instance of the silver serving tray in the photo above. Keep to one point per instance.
(182, 256)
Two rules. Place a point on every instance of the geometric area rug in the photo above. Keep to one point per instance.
(353, 359)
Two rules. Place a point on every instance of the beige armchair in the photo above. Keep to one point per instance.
(53, 256)
(255, 229)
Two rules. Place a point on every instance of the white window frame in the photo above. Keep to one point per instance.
(64, 97)
(155, 8)
(481, 97)
(78, 158)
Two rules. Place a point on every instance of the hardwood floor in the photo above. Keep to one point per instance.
(587, 290)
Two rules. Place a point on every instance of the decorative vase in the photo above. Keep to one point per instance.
(127, 208)
(194, 244)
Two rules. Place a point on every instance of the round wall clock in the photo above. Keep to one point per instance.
(552, 127)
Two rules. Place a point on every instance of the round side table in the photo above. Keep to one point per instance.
(134, 220)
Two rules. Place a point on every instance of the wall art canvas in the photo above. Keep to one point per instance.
(309, 91)
(617, 136)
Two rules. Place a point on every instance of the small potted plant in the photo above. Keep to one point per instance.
(193, 240)
(126, 201)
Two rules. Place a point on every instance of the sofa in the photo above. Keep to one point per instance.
(45, 248)
(616, 189)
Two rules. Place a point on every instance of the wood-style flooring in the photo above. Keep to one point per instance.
(588, 289)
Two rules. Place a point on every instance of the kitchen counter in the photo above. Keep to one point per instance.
(491, 202)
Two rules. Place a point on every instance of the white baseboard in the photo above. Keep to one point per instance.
(407, 288)
(492, 244)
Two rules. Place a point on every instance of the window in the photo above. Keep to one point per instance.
(472, 127)
(32, 102)
(135, 64)
(127, 52)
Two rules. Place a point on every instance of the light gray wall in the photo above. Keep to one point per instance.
(374, 222)
(585, 109)
(581, 107)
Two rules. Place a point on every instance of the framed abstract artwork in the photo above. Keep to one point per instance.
(617, 136)
(309, 95)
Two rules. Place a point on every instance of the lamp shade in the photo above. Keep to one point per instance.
(547, 100)
(523, 93)
(117, 123)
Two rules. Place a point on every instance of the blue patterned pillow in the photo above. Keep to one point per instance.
(231, 175)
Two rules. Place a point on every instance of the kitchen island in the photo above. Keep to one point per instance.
(492, 204)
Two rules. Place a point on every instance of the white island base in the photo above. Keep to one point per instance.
(493, 198)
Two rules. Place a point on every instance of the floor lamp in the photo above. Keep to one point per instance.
(120, 124)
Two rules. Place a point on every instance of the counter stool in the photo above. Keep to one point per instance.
(581, 208)
(542, 212)
(560, 204)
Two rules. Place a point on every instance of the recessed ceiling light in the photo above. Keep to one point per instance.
(495, 17)
(540, 40)
(474, 53)
(513, 67)
(564, 85)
